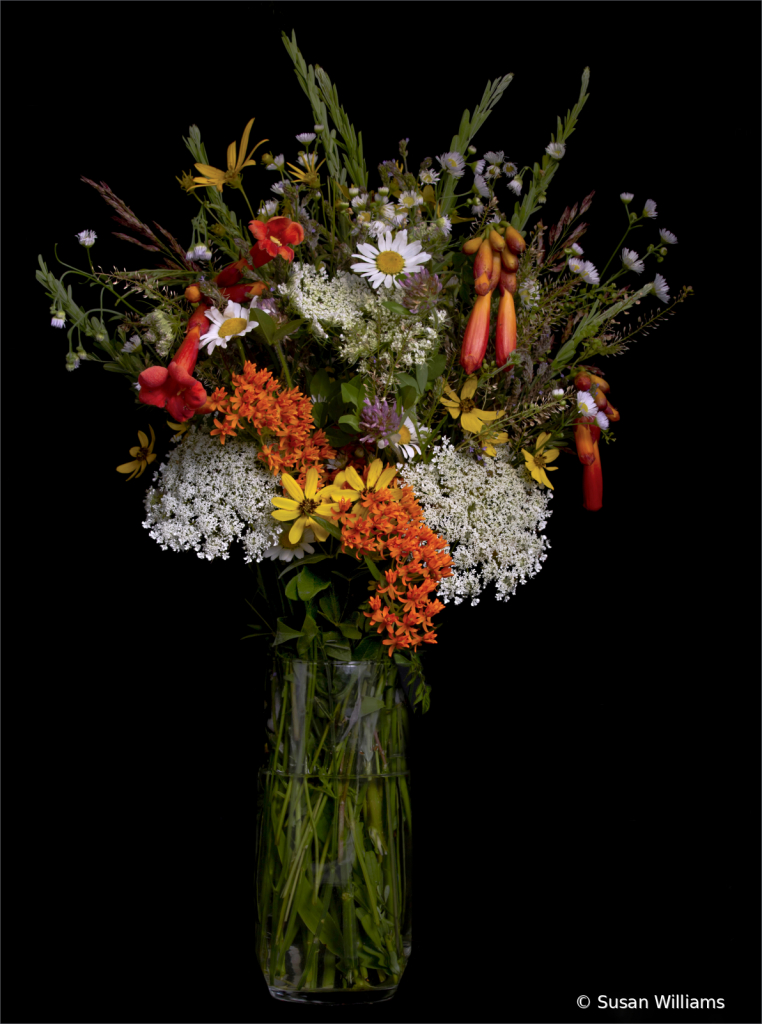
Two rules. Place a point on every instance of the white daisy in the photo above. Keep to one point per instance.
(586, 404)
(626, 197)
(132, 344)
(661, 288)
(453, 162)
(305, 137)
(515, 186)
(377, 228)
(87, 238)
(286, 551)
(667, 236)
(649, 210)
(445, 225)
(589, 273)
(385, 263)
(631, 261)
(481, 186)
(278, 188)
(602, 419)
(387, 210)
(410, 199)
(509, 169)
(268, 208)
(198, 252)
(399, 219)
(576, 265)
(233, 323)
(556, 150)
(494, 158)
(577, 248)
(359, 201)
(493, 171)
(278, 162)
(428, 177)
(405, 440)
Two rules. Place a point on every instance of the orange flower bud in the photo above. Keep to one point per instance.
(514, 240)
(600, 399)
(584, 442)
(510, 260)
(592, 482)
(612, 413)
(508, 282)
(192, 293)
(603, 384)
(477, 335)
(471, 246)
(496, 241)
(505, 336)
(582, 382)
(496, 267)
(483, 261)
(483, 285)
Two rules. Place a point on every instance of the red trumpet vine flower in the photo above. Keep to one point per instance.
(477, 335)
(505, 335)
(592, 482)
(231, 274)
(583, 439)
(274, 238)
(174, 386)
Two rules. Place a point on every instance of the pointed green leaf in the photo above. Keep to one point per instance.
(309, 584)
(350, 632)
(332, 528)
(285, 632)
(421, 376)
(291, 592)
(374, 570)
(396, 307)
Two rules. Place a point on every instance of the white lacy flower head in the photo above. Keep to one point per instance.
(285, 551)
(649, 210)
(555, 150)
(454, 163)
(586, 404)
(492, 516)
(232, 323)
(667, 236)
(86, 238)
(208, 495)
(632, 262)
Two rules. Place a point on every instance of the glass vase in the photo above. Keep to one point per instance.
(334, 833)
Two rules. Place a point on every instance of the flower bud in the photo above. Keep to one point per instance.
(514, 240)
(612, 413)
(471, 246)
(477, 335)
(483, 284)
(192, 293)
(510, 260)
(604, 385)
(582, 382)
(505, 335)
(496, 268)
(584, 442)
(600, 399)
(483, 261)
(496, 241)
(508, 282)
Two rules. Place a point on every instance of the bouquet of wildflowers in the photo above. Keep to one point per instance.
(365, 375)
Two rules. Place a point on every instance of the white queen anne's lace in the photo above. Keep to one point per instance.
(208, 494)
(492, 515)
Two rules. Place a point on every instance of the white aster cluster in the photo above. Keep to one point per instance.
(492, 516)
(208, 494)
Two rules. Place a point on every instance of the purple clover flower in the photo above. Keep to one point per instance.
(420, 291)
(379, 419)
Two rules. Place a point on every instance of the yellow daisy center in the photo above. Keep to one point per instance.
(307, 507)
(390, 262)
(539, 460)
(234, 325)
(467, 404)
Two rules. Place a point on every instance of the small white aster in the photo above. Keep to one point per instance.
(59, 318)
(586, 404)
(232, 323)
(479, 166)
(410, 200)
(557, 392)
(632, 262)
(132, 344)
(493, 171)
(576, 265)
(445, 225)
(305, 137)
(278, 162)
(359, 201)
(602, 419)
(556, 150)
(626, 197)
(477, 209)
(509, 169)
(481, 186)
(399, 220)
(198, 252)
(661, 288)
(387, 210)
(577, 248)
(278, 188)
(515, 186)
(453, 162)
(383, 264)
(268, 208)
(649, 210)
(494, 158)
(428, 177)
(589, 273)
(318, 127)
(667, 236)
(86, 238)
(285, 551)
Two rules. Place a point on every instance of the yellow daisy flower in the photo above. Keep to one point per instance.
(142, 456)
(471, 418)
(308, 175)
(378, 480)
(537, 464)
(303, 504)
(214, 177)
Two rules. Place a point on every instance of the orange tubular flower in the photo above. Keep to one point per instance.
(174, 386)
(275, 238)
(592, 482)
(584, 441)
(505, 337)
(477, 335)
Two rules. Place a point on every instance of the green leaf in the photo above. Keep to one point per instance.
(303, 561)
(266, 325)
(309, 632)
(285, 632)
(321, 385)
(332, 637)
(436, 365)
(338, 438)
(332, 528)
(318, 920)
(309, 584)
(350, 632)
(339, 652)
(291, 592)
(395, 307)
(285, 329)
(408, 396)
(329, 606)
(369, 925)
(370, 704)
(369, 649)
(351, 420)
(405, 378)
(373, 568)
(421, 376)
(318, 413)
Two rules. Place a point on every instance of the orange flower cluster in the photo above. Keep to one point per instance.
(386, 528)
(281, 417)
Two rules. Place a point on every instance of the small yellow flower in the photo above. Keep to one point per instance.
(214, 177)
(309, 175)
(303, 504)
(186, 182)
(378, 480)
(180, 429)
(490, 440)
(537, 464)
(143, 455)
(471, 418)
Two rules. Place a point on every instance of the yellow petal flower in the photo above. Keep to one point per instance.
(143, 455)
(285, 503)
(471, 422)
(374, 473)
(310, 484)
(354, 478)
(213, 176)
(283, 515)
(386, 478)
(296, 531)
(292, 487)
(469, 388)
(320, 531)
(452, 407)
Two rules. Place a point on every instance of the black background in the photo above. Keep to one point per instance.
(585, 783)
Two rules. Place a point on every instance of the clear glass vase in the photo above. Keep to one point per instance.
(334, 833)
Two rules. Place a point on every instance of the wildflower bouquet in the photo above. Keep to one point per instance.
(363, 379)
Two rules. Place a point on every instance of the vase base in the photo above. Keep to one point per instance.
(334, 997)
